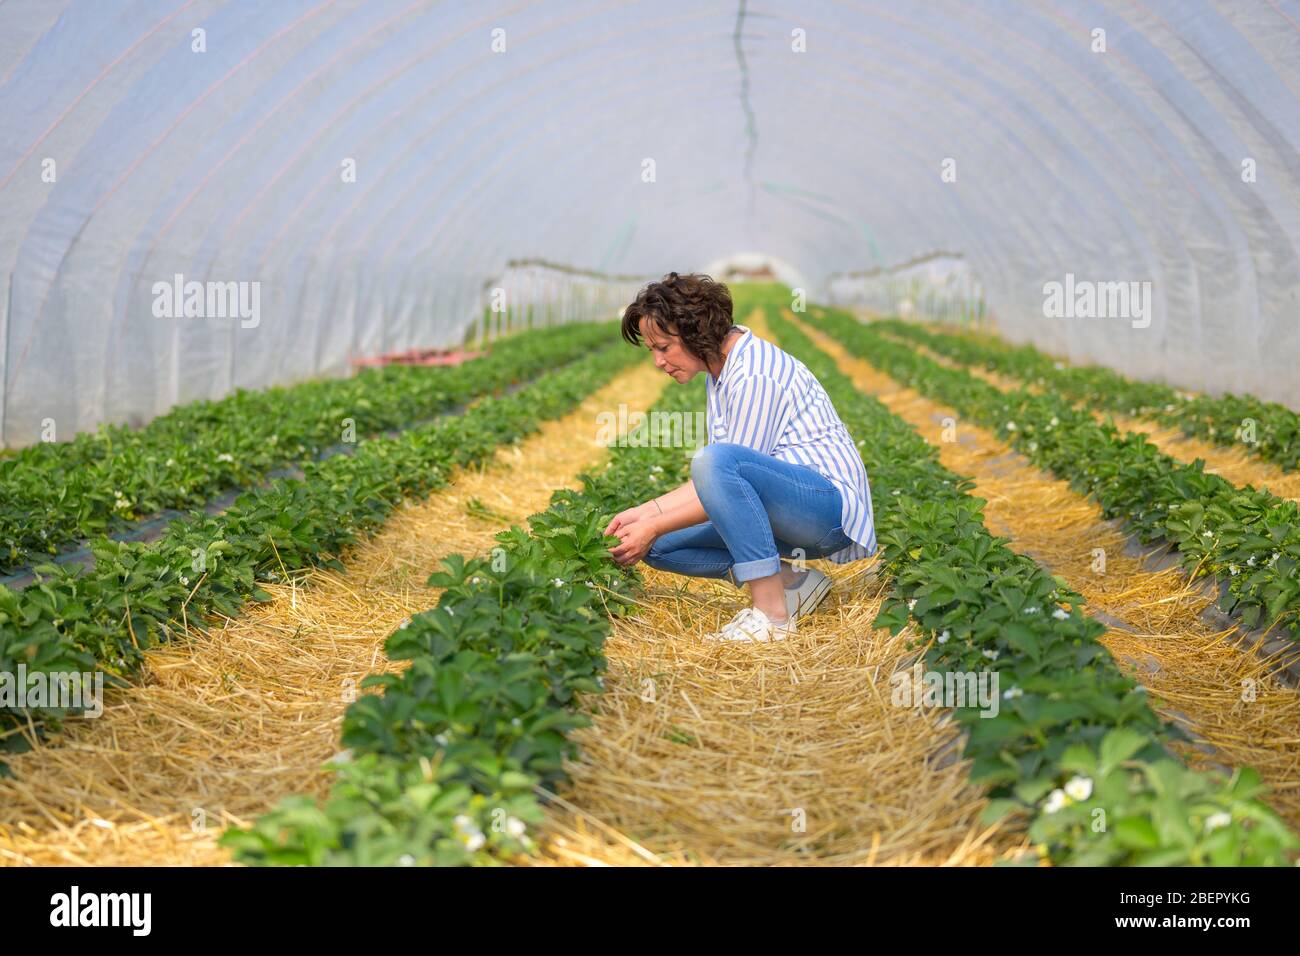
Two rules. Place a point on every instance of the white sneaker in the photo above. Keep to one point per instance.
(802, 599)
(752, 626)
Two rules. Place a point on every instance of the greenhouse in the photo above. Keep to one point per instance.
(838, 434)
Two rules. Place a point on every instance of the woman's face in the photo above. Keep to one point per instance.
(669, 353)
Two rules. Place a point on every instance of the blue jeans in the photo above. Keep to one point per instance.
(760, 509)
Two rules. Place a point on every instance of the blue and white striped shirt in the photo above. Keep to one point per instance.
(767, 400)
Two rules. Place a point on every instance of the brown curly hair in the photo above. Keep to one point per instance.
(692, 306)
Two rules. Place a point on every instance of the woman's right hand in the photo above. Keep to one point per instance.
(623, 519)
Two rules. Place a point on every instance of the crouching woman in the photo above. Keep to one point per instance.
(779, 478)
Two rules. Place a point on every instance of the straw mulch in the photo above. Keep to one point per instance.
(790, 753)
(223, 725)
(1194, 672)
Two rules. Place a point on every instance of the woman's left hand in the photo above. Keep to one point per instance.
(636, 541)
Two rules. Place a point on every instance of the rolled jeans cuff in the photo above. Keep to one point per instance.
(750, 570)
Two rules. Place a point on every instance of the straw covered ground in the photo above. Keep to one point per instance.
(788, 753)
(223, 724)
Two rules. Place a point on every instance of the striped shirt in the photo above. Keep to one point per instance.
(767, 400)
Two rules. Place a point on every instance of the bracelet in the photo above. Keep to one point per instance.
(657, 505)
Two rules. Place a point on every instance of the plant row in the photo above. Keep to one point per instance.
(52, 494)
(136, 594)
(441, 768)
(1247, 538)
(1074, 749)
(1274, 435)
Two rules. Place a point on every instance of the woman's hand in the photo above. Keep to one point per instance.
(636, 540)
(623, 519)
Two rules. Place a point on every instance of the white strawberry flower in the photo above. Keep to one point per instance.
(1013, 693)
(991, 655)
(1032, 609)
(225, 456)
(1011, 426)
(911, 604)
(515, 827)
(1055, 801)
(1060, 614)
(1079, 788)
(470, 835)
(1218, 820)
(943, 638)
(406, 860)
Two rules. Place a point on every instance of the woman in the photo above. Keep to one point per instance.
(779, 477)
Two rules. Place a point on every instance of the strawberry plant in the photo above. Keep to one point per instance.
(136, 594)
(1247, 538)
(1219, 420)
(447, 758)
(1075, 751)
(54, 494)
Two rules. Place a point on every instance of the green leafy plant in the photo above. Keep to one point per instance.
(1219, 420)
(138, 594)
(53, 494)
(1073, 735)
(1246, 538)
(455, 746)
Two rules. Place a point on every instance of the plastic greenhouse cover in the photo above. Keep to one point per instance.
(142, 140)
